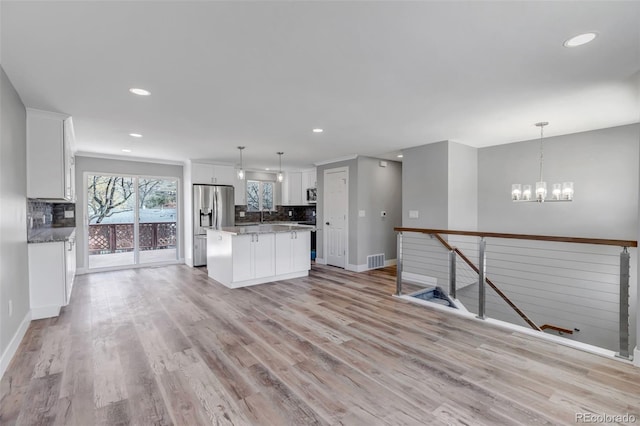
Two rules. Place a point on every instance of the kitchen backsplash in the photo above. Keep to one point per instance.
(298, 214)
(44, 214)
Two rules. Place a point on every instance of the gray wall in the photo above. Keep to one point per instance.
(373, 189)
(425, 185)
(379, 188)
(14, 278)
(603, 166)
(110, 166)
(463, 187)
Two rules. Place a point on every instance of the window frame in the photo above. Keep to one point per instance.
(261, 184)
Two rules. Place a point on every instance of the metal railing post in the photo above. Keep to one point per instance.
(452, 273)
(399, 265)
(624, 304)
(482, 266)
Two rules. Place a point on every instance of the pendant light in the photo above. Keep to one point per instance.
(560, 192)
(241, 171)
(280, 175)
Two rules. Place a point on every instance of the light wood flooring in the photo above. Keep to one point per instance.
(168, 345)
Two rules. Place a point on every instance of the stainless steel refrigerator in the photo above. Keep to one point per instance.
(213, 206)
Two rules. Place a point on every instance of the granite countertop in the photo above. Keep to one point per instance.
(52, 235)
(264, 228)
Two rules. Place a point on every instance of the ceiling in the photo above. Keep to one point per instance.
(376, 76)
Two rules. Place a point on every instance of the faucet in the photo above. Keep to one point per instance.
(262, 214)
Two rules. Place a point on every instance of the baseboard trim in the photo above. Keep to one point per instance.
(320, 261)
(82, 271)
(363, 267)
(11, 350)
(636, 356)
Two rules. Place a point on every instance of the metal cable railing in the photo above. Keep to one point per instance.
(576, 287)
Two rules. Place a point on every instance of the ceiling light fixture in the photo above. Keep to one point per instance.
(318, 130)
(139, 92)
(280, 175)
(580, 39)
(126, 150)
(241, 171)
(560, 192)
(400, 156)
(135, 135)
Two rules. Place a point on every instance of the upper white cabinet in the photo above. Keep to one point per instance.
(295, 185)
(309, 179)
(215, 174)
(50, 161)
(212, 174)
(292, 189)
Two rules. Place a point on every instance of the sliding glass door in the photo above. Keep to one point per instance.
(131, 220)
(157, 219)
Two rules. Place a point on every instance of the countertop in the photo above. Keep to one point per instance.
(264, 228)
(52, 235)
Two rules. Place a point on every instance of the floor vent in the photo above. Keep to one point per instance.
(375, 261)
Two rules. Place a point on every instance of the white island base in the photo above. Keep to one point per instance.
(250, 255)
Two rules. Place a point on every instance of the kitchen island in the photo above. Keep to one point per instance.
(240, 256)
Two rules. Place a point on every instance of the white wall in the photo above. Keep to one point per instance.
(127, 168)
(14, 269)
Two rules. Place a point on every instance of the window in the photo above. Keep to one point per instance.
(259, 195)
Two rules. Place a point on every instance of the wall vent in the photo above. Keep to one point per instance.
(375, 261)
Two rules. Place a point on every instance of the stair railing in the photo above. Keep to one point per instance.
(454, 253)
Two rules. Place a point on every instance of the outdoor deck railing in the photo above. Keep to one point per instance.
(107, 238)
(576, 287)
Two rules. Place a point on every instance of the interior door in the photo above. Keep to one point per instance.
(335, 216)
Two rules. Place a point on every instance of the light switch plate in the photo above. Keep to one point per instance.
(413, 214)
(241, 214)
(361, 213)
(69, 214)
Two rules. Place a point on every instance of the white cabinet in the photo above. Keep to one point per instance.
(309, 179)
(253, 256)
(212, 174)
(240, 260)
(215, 174)
(292, 189)
(52, 268)
(293, 252)
(295, 185)
(70, 163)
(50, 162)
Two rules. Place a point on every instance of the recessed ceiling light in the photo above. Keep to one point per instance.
(126, 150)
(267, 169)
(400, 155)
(318, 130)
(580, 39)
(140, 92)
(135, 135)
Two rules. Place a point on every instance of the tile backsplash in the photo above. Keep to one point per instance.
(298, 214)
(44, 214)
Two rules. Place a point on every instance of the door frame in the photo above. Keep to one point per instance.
(346, 222)
(85, 223)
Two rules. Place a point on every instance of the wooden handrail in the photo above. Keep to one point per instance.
(578, 240)
(491, 284)
(556, 328)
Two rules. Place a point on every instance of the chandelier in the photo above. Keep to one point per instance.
(559, 192)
